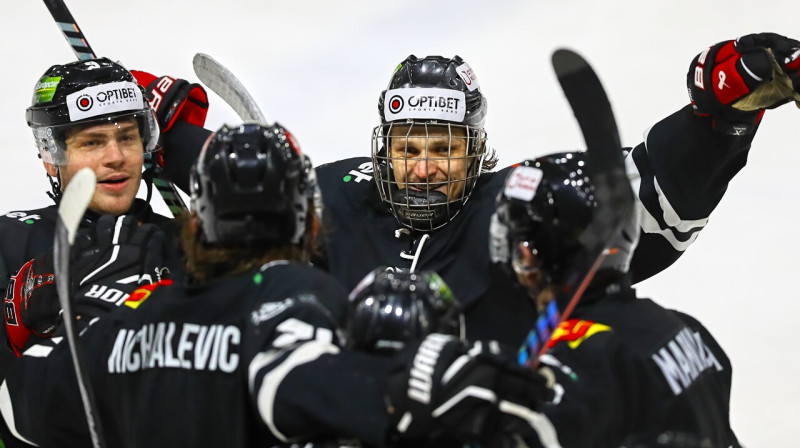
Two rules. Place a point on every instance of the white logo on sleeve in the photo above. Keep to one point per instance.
(523, 182)
(104, 99)
(469, 78)
(425, 104)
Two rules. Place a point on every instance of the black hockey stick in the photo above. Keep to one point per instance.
(225, 84)
(73, 205)
(80, 46)
(613, 193)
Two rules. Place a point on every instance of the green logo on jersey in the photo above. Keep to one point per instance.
(436, 283)
(258, 278)
(347, 178)
(45, 89)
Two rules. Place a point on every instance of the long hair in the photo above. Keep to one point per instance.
(204, 261)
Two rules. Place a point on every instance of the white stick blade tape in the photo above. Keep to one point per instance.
(75, 200)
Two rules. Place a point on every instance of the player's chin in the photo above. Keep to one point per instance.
(113, 202)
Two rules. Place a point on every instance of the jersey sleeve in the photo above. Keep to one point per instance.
(303, 384)
(679, 174)
(586, 404)
(182, 145)
(40, 401)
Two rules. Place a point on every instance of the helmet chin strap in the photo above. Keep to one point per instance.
(147, 177)
(55, 186)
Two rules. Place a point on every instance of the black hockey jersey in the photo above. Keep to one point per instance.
(25, 235)
(631, 373)
(244, 361)
(679, 173)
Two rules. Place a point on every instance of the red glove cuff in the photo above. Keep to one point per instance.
(18, 333)
(174, 99)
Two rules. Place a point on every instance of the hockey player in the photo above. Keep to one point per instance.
(249, 354)
(628, 372)
(85, 114)
(424, 199)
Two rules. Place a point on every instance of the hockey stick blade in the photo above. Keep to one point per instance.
(606, 166)
(74, 202)
(222, 82)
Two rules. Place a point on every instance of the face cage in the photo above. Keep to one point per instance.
(51, 143)
(383, 168)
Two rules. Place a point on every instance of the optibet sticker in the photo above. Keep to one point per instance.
(104, 99)
(45, 89)
(432, 103)
(523, 182)
(469, 78)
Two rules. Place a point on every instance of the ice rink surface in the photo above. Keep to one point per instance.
(318, 67)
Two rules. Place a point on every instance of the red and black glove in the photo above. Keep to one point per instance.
(31, 305)
(110, 260)
(174, 99)
(734, 81)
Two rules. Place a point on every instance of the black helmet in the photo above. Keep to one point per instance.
(253, 185)
(432, 96)
(389, 308)
(543, 210)
(82, 93)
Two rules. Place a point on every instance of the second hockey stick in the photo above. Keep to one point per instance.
(225, 84)
(83, 51)
(615, 200)
(73, 205)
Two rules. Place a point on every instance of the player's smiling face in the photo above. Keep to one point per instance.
(429, 159)
(114, 151)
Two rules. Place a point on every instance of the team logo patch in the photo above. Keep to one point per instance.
(142, 293)
(575, 331)
(523, 182)
(425, 104)
(104, 99)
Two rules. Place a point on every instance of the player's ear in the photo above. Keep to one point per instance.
(51, 169)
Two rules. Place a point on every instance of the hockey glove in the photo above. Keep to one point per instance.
(734, 81)
(441, 388)
(31, 303)
(111, 259)
(174, 99)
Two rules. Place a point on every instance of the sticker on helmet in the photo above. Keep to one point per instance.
(436, 283)
(45, 89)
(466, 74)
(523, 182)
(425, 103)
(104, 99)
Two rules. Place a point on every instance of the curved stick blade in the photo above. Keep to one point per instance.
(222, 82)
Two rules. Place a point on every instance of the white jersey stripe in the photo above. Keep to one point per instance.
(8, 413)
(269, 384)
